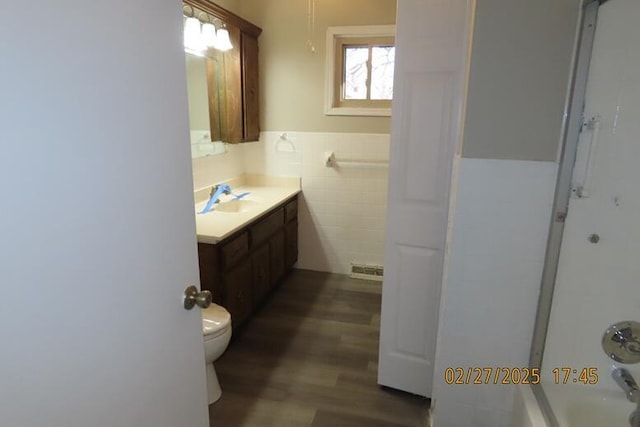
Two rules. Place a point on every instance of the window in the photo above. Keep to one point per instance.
(359, 72)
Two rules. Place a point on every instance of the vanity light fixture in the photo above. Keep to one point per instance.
(200, 33)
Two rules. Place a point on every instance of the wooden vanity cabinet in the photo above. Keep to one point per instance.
(241, 270)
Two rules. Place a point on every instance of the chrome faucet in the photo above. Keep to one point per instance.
(214, 196)
(223, 188)
(628, 384)
(216, 192)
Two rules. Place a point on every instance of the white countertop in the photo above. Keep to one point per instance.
(265, 194)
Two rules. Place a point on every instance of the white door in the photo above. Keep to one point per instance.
(428, 93)
(597, 282)
(97, 233)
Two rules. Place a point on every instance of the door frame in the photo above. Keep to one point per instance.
(570, 134)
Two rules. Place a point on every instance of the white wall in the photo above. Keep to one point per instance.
(519, 68)
(291, 76)
(489, 298)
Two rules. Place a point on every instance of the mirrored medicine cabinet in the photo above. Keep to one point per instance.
(223, 85)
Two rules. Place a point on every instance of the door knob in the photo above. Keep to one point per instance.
(192, 298)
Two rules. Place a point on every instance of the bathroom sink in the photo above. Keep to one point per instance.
(236, 206)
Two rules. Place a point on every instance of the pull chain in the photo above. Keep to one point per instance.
(311, 24)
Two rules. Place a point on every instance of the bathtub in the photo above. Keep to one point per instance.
(573, 406)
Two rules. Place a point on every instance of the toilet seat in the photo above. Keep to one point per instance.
(216, 320)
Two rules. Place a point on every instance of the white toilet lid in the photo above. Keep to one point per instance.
(215, 319)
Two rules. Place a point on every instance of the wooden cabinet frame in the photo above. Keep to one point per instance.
(233, 78)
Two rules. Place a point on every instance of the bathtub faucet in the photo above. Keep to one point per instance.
(627, 383)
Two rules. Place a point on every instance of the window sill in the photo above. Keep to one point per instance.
(350, 111)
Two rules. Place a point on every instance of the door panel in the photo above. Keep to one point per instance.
(98, 232)
(428, 91)
(414, 334)
(425, 131)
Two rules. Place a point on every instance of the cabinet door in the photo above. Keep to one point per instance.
(260, 261)
(291, 243)
(261, 231)
(291, 210)
(235, 250)
(251, 106)
(276, 246)
(209, 262)
(237, 293)
(232, 128)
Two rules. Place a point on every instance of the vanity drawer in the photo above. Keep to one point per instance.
(265, 228)
(291, 210)
(235, 250)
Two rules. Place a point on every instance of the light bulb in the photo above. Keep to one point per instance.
(223, 42)
(209, 34)
(193, 36)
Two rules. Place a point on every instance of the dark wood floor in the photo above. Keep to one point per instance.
(309, 358)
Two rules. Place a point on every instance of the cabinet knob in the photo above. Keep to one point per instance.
(192, 298)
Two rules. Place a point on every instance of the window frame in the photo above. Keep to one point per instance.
(337, 37)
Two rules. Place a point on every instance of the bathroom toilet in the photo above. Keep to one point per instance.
(216, 328)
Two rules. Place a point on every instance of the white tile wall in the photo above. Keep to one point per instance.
(342, 214)
(489, 298)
